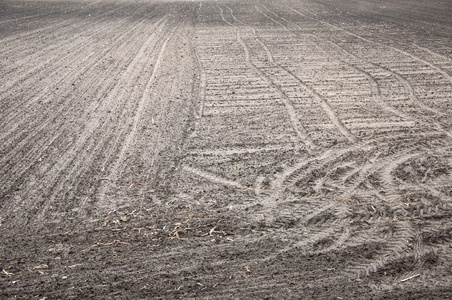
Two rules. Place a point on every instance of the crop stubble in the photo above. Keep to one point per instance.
(225, 149)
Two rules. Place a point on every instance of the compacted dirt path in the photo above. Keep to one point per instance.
(225, 149)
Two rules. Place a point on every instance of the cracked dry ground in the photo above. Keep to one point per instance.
(225, 149)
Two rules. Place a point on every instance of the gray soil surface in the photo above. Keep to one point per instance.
(225, 149)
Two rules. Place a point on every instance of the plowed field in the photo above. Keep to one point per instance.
(293, 149)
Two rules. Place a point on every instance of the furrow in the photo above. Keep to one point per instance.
(433, 66)
(299, 129)
(50, 125)
(114, 171)
(323, 103)
(212, 177)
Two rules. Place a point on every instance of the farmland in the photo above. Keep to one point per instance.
(226, 149)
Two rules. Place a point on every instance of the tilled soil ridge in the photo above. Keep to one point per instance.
(225, 149)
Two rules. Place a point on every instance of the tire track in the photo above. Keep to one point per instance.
(376, 89)
(235, 151)
(431, 65)
(159, 156)
(324, 104)
(370, 168)
(407, 86)
(266, 49)
(297, 126)
(159, 26)
(86, 146)
(50, 125)
(324, 221)
(212, 177)
(86, 151)
(431, 52)
(410, 91)
(317, 97)
(394, 250)
(132, 127)
(330, 156)
(375, 86)
(202, 85)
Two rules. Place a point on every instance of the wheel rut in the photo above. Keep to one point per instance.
(232, 149)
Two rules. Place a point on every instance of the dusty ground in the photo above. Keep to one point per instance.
(226, 149)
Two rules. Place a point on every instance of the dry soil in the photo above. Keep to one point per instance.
(293, 149)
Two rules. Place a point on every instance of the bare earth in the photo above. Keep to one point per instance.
(226, 149)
